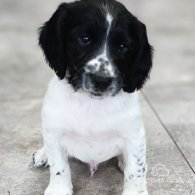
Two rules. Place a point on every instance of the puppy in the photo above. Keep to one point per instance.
(101, 58)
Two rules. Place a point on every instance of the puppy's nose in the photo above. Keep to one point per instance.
(101, 82)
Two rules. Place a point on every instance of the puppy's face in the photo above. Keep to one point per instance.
(98, 46)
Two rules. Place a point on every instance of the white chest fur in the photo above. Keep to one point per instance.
(90, 129)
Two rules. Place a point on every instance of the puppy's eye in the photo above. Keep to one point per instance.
(123, 47)
(85, 40)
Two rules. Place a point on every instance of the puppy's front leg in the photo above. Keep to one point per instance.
(134, 158)
(60, 175)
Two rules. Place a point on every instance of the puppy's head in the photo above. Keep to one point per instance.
(98, 46)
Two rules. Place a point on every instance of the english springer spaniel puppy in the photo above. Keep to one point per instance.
(101, 58)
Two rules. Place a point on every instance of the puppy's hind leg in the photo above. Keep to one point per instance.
(39, 158)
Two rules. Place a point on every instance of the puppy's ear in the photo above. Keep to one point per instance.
(140, 69)
(51, 40)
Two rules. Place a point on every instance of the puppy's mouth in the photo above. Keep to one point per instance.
(99, 86)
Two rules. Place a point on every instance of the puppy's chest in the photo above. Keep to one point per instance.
(89, 129)
(93, 131)
(92, 118)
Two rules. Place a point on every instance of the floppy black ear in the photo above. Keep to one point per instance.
(51, 41)
(142, 64)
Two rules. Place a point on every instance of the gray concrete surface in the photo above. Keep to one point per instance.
(168, 101)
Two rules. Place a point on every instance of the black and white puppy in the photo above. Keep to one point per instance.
(101, 56)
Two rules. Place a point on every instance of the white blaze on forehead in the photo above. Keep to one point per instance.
(109, 18)
(110, 68)
(94, 64)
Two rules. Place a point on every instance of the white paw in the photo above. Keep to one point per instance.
(57, 190)
(40, 158)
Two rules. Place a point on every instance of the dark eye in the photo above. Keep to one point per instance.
(123, 47)
(85, 40)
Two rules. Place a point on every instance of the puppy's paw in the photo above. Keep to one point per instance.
(40, 158)
(57, 190)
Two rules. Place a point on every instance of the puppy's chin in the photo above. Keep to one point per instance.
(96, 93)
(100, 91)
(99, 95)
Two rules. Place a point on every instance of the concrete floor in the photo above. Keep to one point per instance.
(168, 101)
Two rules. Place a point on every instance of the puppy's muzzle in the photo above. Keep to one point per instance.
(101, 82)
(100, 78)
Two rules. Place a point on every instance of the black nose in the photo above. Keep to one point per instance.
(101, 82)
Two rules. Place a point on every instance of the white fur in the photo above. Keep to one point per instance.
(93, 130)
(109, 19)
(90, 122)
